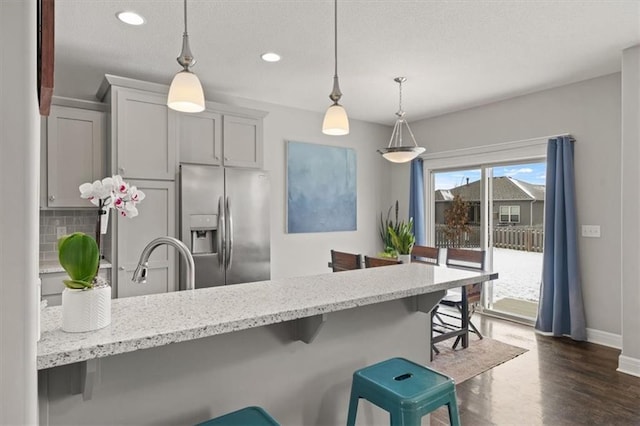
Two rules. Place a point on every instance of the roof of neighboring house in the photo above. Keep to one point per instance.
(504, 188)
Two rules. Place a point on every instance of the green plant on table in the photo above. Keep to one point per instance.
(402, 239)
(79, 255)
(385, 236)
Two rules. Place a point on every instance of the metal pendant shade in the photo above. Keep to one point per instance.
(396, 152)
(185, 93)
(336, 122)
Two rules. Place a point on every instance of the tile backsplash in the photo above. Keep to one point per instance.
(52, 221)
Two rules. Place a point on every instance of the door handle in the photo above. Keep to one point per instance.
(221, 240)
(230, 237)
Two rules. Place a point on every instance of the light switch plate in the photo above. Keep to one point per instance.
(591, 231)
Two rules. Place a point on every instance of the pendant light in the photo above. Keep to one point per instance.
(336, 122)
(396, 152)
(185, 93)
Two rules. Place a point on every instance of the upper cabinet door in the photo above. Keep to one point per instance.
(200, 138)
(242, 142)
(145, 140)
(75, 154)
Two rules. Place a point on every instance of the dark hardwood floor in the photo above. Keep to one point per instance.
(556, 382)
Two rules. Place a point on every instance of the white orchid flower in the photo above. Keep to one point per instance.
(86, 190)
(136, 195)
(113, 192)
(119, 185)
(131, 210)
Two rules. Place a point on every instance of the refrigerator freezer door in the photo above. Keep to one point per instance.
(248, 195)
(201, 222)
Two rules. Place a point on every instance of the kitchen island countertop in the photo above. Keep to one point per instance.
(160, 319)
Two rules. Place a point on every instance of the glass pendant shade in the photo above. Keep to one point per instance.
(185, 93)
(401, 155)
(396, 152)
(336, 122)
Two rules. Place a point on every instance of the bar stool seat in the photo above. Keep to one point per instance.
(405, 389)
(249, 416)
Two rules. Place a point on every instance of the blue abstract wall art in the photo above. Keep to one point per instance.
(321, 188)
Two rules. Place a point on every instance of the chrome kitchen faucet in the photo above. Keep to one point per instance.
(140, 274)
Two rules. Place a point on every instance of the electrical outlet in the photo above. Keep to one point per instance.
(591, 231)
(61, 231)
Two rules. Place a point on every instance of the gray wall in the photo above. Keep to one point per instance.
(630, 358)
(19, 180)
(591, 112)
(308, 254)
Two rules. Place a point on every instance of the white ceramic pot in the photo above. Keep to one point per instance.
(86, 310)
(404, 258)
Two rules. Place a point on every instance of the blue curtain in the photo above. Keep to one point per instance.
(561, 310)
(416, 201)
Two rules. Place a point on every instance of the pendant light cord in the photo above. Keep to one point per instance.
(185, 16)
(335, 35)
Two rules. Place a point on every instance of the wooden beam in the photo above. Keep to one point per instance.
(46, 43)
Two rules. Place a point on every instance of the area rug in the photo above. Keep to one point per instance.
(480, 356)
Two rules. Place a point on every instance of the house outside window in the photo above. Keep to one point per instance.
(509, 214)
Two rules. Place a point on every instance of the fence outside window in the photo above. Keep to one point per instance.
(525, 238)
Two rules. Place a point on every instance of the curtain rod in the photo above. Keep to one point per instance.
(542, 137)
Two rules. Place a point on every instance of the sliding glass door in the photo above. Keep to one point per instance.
(498, 208)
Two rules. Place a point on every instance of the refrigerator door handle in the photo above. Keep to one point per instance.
(229, 218)
(220, 241)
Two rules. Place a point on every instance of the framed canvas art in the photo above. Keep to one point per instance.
(321, 188)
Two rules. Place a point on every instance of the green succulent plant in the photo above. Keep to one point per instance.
(385, 236)
(402, 238)
(79, 255)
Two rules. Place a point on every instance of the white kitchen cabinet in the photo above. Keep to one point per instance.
(242, 142)
(143, 135)
(75, 154)
(200, 138)
(156, 218)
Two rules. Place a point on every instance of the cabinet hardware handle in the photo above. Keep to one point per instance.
(226, 158)
(121, 268)
(52, 198)
(121, 170)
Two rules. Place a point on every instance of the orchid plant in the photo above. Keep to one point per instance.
(111, 192)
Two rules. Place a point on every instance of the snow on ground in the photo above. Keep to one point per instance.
(520, 274)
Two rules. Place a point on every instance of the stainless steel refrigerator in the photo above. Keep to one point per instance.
(224, 220)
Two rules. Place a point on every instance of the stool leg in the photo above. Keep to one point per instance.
(454, 416)
(401, 417)
(353, 408)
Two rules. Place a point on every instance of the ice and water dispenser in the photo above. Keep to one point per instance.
(204, 233)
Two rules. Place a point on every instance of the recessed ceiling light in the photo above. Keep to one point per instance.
(270, 57)
(130, 18)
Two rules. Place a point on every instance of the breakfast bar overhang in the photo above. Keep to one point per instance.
(289, 345)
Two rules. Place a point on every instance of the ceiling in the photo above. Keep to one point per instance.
(455, 54)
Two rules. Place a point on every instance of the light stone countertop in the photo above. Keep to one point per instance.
(160, 319)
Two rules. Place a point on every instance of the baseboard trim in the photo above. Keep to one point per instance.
(604, 338)
(629, 365)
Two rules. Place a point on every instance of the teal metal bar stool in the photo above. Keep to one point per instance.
(405, 389)
(249, 416)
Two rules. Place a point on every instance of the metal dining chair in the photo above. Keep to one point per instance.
(464, 302)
